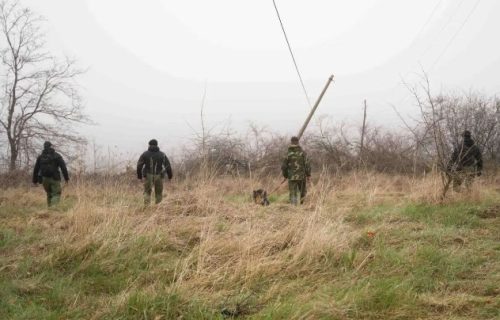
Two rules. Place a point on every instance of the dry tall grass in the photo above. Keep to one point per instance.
(208, 242)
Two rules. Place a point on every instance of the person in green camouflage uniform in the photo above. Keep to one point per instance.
(297, 170)
(152, 165)
(466, 163)
(47, 173)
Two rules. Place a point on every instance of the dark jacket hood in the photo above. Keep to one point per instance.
(153, 148)
(468, 142)
(49, 150)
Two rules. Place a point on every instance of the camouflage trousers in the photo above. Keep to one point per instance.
(53, 190)
(465, 176)
(298, 190)
(153, 181)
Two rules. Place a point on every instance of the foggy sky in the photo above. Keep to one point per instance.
(149, 60)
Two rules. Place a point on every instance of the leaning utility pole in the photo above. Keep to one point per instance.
(301, 132)
(362, 134)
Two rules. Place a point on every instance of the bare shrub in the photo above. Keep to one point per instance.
(444, 117)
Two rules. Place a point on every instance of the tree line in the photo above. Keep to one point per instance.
(423, 145)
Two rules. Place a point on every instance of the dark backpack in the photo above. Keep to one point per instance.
(48, 165)
(155, 163)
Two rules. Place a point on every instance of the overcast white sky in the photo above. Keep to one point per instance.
(149, 60)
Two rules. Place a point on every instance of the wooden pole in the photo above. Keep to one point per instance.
(362, 134)
(301, 132)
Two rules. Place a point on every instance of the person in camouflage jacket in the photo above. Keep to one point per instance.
(297, 170)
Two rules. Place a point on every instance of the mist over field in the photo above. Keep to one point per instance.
(148, 63)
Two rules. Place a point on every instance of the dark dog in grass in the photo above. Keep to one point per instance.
(260, 197)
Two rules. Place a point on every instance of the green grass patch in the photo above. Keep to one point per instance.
(7, 238)
(361, 216)
(459, 215)
(163, 305)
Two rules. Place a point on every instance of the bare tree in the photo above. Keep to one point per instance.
(471, 111)
(433, 122)
(40, 99)
(445, 117)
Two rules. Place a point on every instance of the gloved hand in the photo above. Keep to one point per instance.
(479, 173)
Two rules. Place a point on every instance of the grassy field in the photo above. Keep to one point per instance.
(364, 246)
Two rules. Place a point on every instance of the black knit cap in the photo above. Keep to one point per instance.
(466, 134)
(47, 144)
(153, 142)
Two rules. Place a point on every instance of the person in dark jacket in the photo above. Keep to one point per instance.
(152, 165)
(47, 173)
(297, 170)
(466, 162)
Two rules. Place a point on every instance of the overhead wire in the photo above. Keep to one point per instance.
(429, 19)
(471, 12)
(291, 53)
(421, 30)
(442, 29)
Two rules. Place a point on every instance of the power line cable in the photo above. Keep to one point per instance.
(429, 19)
(442, 29)
(438, 33)
(456, 34)
(471, 12)
(422, 28)
(291, 53)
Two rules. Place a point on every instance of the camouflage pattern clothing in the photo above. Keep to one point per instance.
(153, 181)
(296, 169)
(153, 165)
(466, 163)
(47, 173)
(53, 190)
(297, 190)
(467, 175)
